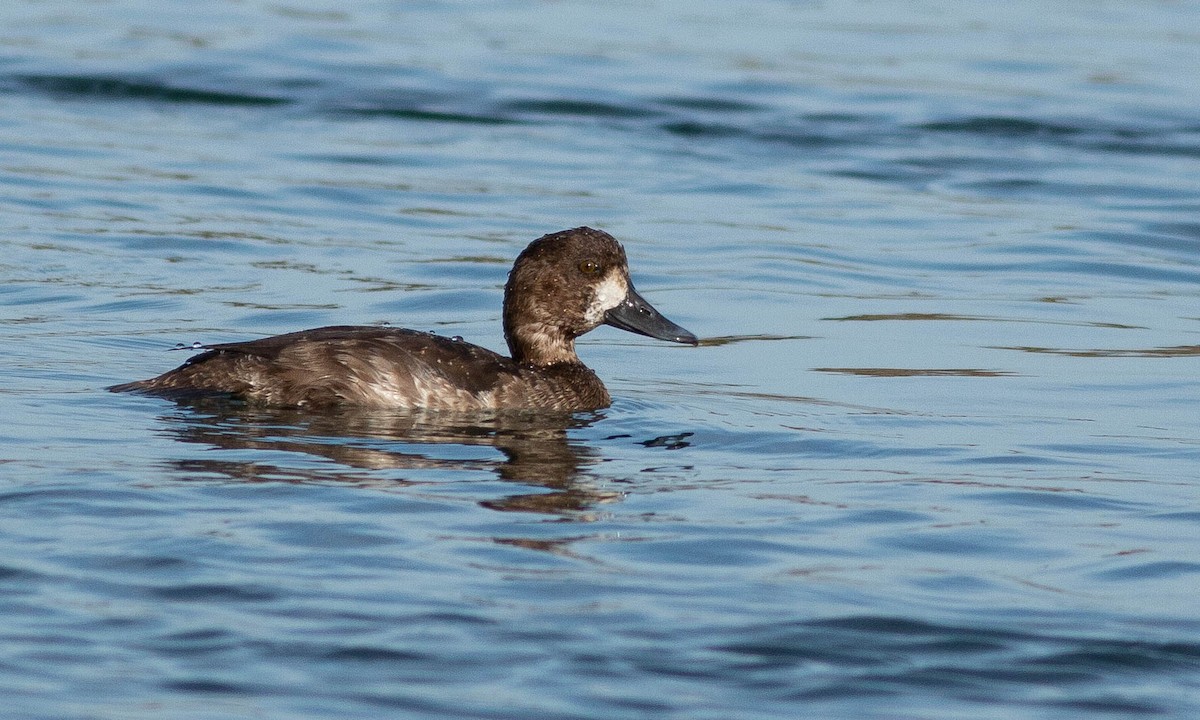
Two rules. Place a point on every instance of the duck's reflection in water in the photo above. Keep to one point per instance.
(364, 444)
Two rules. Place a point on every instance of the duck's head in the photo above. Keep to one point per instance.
(567, 283)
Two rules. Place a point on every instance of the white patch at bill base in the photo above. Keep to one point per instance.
(610, 292)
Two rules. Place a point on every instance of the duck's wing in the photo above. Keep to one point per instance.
(270, 347)
(356, 365)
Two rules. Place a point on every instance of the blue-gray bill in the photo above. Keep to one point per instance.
(636, 315)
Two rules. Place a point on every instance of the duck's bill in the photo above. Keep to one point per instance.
(636, 315)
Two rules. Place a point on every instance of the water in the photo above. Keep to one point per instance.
(937, 457)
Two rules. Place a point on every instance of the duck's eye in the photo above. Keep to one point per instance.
(589, 267)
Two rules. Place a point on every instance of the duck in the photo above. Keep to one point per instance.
(561, 286)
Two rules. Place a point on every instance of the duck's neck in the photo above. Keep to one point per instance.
(537, 344)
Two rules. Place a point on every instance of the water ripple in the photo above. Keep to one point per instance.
(120, 89)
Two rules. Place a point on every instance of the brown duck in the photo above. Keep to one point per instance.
(561, 286)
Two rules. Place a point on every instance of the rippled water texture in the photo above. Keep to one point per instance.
(936, 457)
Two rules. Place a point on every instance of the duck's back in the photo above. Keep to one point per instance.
(378, 367)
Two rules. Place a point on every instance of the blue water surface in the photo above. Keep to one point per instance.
(936, 457)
